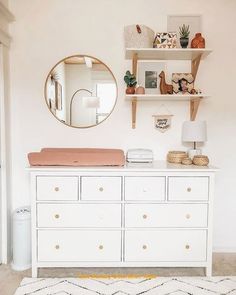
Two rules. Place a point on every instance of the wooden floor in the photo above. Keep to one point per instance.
(223, 265)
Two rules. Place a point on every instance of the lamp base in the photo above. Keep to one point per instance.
(194, 152)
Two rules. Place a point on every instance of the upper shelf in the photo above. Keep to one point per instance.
(165, 97)
(167, 54)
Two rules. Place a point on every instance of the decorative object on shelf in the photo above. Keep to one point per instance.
(165, 40)
(176, 157)
(198, 41)
(200, 160)
(140, 90)
(131, 82)
(193, 21)
(162, 121)
(138, 36)
(164, 87)
(139, 156)
(187, 161)
(184, 35)
(148, 75)
(194, 131)
(183, 83)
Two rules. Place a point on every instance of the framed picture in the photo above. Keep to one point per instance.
(183, 83)
(193, 21)
(148, 75)
(58, 95)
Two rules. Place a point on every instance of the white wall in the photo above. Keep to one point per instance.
(47, 31)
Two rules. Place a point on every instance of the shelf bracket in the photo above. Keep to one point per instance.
(134, 111)
(195, 65)
(194, 105)
(134, 100)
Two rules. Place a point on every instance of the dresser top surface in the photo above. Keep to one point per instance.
(156, 166)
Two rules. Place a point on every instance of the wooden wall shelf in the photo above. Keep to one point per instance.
(193, 55)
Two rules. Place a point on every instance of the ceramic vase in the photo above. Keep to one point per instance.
(198, 41)
(140, 90)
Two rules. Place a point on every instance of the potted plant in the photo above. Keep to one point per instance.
(184, 35)
(131, 82)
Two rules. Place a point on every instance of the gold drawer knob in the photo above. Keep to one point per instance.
(187, 247)
(56, 189)
(144, 247)
(189, 189)
(57, 247)
(188, 216)
(101, 189)
(100, 247)
(57, 216)
(144, 216)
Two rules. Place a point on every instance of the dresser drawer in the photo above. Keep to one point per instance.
(166, 215)
(76, 245)
(79, 215)
(101, 188)
(145, 188)
(188, 188)
(165, 245)
(57, 188)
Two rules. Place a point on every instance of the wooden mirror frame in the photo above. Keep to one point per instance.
(48, 77)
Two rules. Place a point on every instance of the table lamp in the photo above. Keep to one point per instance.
(194, 131)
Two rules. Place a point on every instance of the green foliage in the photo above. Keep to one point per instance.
(130, 79)
(184, 31)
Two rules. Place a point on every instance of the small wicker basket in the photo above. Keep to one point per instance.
(187, 161)
(200, 160)
(137, 36)
(176, 156)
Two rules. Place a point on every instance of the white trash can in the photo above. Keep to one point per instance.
(21, 239)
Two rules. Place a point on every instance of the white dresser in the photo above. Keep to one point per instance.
(136, 216)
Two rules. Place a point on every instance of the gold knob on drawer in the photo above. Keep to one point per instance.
(56, 189)
(57, 247)
(101, 189)
(188, 216)
(144, 216)
(187, 247)
(189, 189)
(100, 247)
(144, 247)
(56, 216)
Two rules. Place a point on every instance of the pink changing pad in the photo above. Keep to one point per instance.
(77, 157)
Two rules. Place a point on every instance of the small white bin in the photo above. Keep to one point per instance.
(21, 239)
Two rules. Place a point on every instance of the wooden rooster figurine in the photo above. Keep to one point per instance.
(164, 87)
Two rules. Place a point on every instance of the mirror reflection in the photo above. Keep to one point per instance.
(81, 91)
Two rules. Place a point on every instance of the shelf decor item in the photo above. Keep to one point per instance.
(138, 36)
(187, 161)
(200, 160)
(198, 41)
(131, 82)
(140, 90)
(184, 35)
(183, 83)
(176, 157)
(194, 131)
(148, 75)
(162, 122)
(164, 87)
(165, 40)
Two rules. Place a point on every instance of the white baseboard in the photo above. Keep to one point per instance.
(219, 249)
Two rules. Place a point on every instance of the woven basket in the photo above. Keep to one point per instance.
(200, 160)
(187, 161)
(138, 36)
(176, 156)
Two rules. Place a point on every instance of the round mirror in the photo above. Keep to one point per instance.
(81, 91)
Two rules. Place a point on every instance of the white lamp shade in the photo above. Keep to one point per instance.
(194, 131)
(91, 102)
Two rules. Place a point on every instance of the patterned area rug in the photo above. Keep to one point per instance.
(129, 286)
